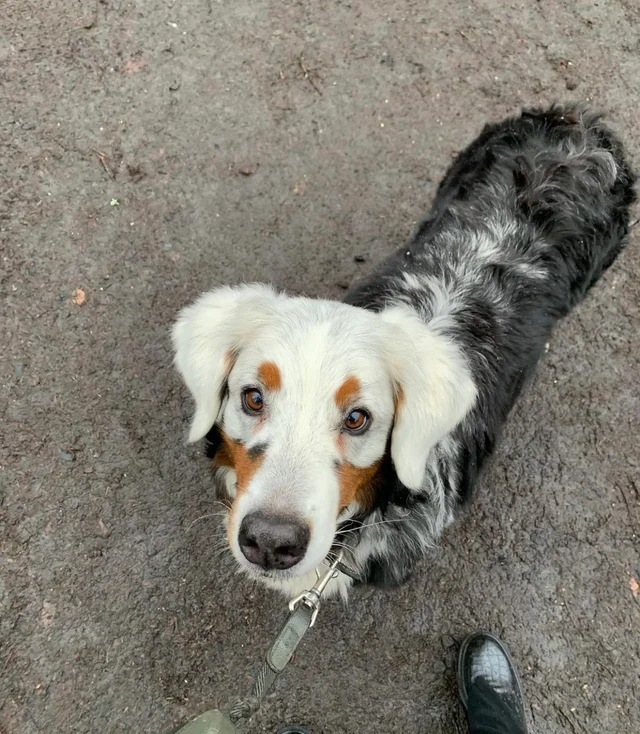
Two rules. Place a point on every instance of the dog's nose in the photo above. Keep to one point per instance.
(272, 541)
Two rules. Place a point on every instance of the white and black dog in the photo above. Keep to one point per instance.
(371, 419)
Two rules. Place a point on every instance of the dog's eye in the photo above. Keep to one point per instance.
(357, 421)
(252, 400)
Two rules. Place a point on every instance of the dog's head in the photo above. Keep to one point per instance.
(306, 396)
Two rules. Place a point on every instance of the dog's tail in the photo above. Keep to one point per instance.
(576, 185)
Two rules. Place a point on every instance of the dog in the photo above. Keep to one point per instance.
(365, 424)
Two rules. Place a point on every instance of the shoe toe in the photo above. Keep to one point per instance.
(486, 659)
(483, 656)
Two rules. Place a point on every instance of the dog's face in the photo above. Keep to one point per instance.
(306, 396)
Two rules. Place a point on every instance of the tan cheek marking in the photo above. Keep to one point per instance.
(356, 484)
(269, 374)
(235, 456)
(223, 458)
(347, 393)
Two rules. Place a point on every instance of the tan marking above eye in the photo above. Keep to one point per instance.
(347, 393)
(269, 375)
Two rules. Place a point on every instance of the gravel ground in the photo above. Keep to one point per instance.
(150, 150)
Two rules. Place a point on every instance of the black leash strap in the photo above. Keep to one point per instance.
(278, 657)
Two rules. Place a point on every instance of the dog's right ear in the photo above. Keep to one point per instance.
(206, 338)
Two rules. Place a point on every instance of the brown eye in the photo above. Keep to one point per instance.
(252, 400)
(357, 421)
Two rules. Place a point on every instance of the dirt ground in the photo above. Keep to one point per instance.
(153, 149)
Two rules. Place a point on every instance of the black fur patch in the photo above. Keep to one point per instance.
(255, 452)
(212, 442)
(525, 221)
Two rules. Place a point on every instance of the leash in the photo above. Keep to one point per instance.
(348, 572)
(303, 612)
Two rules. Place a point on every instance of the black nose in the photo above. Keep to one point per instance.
(272, 541)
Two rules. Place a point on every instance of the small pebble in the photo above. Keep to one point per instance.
(439, 667)
(67, 456)
(18, 369)
(448, 641)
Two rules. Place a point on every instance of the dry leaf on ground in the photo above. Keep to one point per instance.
(79, 296)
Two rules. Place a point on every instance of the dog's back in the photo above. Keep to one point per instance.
(560, 170)
(526, 220)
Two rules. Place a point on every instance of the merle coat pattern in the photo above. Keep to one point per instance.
(525, 222)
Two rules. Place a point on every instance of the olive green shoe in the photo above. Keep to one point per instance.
(211, 722)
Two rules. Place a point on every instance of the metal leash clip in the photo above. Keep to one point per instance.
(311, 598)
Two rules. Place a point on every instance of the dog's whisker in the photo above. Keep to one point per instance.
(223, 555)
(343, 546)
(364, 525)
(390, 521)
(205, 517)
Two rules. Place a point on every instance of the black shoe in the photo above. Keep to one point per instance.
(293, 730)
(483, 659)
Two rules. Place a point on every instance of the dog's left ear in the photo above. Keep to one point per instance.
(434, 391)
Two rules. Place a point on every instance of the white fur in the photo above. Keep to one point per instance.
(337, 586)
(206, 333)
(437, 391)
(316, 345)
